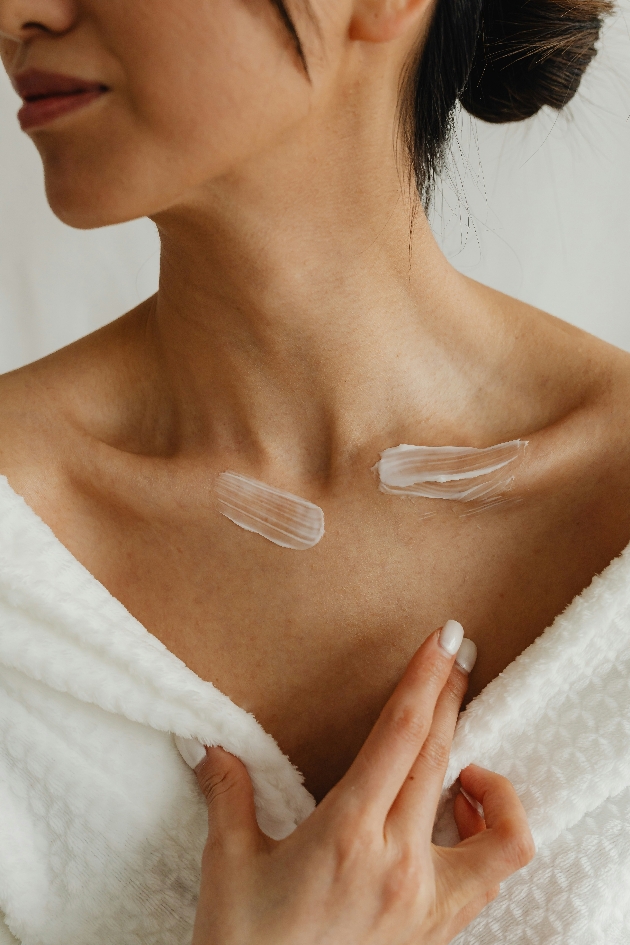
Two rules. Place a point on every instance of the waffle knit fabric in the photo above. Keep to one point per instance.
(101, 822)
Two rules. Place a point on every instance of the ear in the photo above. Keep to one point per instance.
(379, 21)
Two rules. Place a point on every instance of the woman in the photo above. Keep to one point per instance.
(305, 323)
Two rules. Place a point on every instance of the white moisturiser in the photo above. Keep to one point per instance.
(283, 518)
(458, 473)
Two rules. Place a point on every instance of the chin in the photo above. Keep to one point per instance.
(89, 210)
(90, 186)
(86, 195)
(87, 201)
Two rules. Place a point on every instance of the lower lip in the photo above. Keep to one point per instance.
(44, 110)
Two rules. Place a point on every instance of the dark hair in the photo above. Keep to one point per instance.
(502, 59)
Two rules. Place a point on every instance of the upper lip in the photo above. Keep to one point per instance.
(34, 84)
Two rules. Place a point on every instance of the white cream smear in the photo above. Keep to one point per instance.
(283, 518)
(458, 473)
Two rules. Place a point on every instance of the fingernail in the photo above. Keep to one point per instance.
(471, 800)
(191, 750)
(451, 636)
(466, 655)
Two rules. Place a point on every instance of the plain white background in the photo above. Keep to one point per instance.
(539, 210)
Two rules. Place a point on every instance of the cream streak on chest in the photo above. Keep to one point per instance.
(281, 517)
(481, 477)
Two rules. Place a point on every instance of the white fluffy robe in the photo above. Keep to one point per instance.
(102, 824)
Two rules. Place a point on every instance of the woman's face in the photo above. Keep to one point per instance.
(190, 91)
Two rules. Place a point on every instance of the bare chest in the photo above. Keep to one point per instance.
(312, 643)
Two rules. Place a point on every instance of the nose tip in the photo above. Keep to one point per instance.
(21, 20)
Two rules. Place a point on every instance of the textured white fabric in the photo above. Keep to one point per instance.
(102, 824)
(556, 722)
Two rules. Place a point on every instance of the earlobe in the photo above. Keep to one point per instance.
(380, 21)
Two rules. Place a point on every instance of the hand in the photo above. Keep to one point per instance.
(361, 869)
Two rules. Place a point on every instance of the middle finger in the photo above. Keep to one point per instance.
(413, 811)
(374, 779)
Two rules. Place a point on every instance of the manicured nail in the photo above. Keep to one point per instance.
(466, 655)
(451, 636)
(191, 750)
(471, 800)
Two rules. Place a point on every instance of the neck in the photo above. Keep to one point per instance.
(303, 330)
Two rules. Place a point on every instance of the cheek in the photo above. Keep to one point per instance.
(197, 95)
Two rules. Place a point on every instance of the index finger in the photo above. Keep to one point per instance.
(380, 768)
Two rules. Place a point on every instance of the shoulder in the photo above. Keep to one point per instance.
(570, 391)
(558, 366)
(50, 408)
(29, 423)
(589, 439)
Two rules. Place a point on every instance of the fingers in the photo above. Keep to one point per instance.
(413, 811)
(489, 856)
(392, 746)
(228, 790)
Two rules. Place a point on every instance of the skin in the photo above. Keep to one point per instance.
(300, 328)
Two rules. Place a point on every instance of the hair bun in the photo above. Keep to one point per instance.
(531, 53)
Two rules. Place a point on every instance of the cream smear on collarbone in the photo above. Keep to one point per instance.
(281, 517)
(478, 478)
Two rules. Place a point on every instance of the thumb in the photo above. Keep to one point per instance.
(487, 857)
(229, 793)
